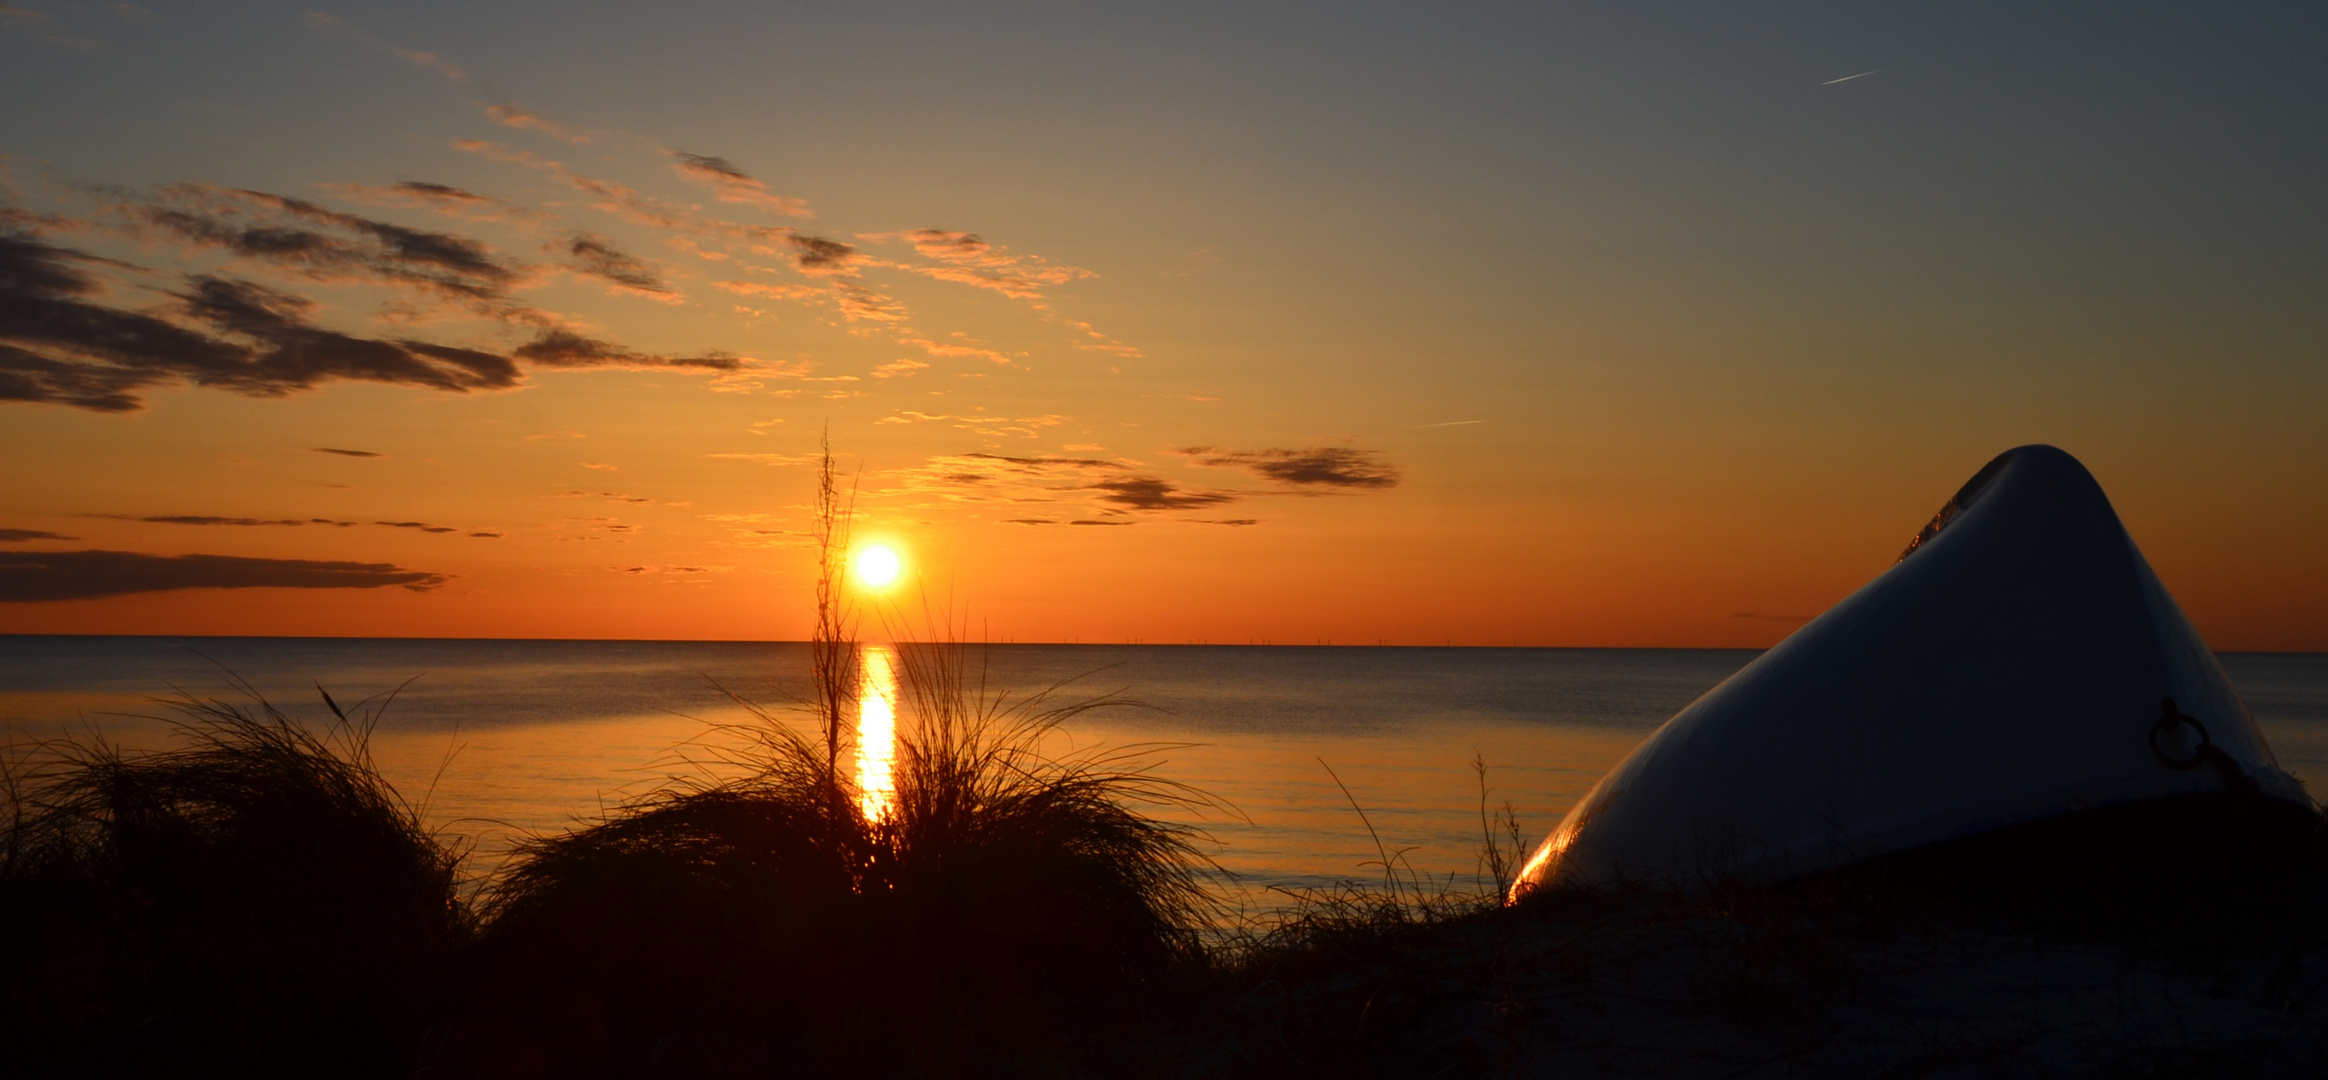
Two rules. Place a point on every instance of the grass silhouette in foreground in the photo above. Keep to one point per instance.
(258, 899)
(1000, 898)
(1007, 898)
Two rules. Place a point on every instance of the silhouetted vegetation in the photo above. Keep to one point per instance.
(1005, 900)
(256, 900)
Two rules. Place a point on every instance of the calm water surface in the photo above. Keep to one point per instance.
(505, 737)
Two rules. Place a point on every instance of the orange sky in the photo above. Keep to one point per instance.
(1179, 348)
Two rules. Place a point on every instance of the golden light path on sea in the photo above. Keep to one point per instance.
(876, 749)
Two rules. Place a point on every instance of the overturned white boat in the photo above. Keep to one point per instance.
(2019, 663)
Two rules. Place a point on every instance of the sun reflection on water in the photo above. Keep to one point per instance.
(877, 731)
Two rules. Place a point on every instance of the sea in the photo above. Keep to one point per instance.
(1319, 763)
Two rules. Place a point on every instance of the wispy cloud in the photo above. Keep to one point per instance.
(1156, 493)
(18, 536)
(58, 346)
(1848, 78)
(942, 254)
(251, 522)
(860, 304)
(29, 577)
(39, 23)
(984, 477)
(510, 116)
(424, 59)
(967, 259)
(443, 199)
(595, 257)
(209, 519)
(429, 60)
(327, 246)
(610, 496)
(1025, 427)
(731, 185)
(243, 315)
(1113, 488)
(954, 350)
(558, 348)
(345, 453)
(767, 459)
(1091, 340)
(773, 292)
(631, 205)
(1316, 466)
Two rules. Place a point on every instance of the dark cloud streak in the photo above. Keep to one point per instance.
(292, 354)
(59, 346)
(559, 348)
(91, 356)
(327, 245)
(204, 519)
(209, 519)
(592, 255)
(1315, 466)
(1155, 493)
(30, 577)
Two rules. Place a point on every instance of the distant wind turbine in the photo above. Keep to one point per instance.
(1848, 78)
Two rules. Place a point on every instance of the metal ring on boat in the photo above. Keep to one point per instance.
(2170, 718)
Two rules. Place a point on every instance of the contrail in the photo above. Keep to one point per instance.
(1452, 423)
(1848, 78)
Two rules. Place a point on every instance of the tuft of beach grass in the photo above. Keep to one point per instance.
(256, 900)
(1006, 898)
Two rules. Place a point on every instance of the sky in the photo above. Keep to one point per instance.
(1625, 324)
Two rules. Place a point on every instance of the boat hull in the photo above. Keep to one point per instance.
(2017, 664)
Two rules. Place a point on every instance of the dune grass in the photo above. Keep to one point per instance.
(1006, 899)
(256, 899)
(259, 901)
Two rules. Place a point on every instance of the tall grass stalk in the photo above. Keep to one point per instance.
(833, 660)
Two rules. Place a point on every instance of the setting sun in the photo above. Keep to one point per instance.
(877, 566)
(1660, 491)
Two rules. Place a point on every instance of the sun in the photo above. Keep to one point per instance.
(877, 566)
